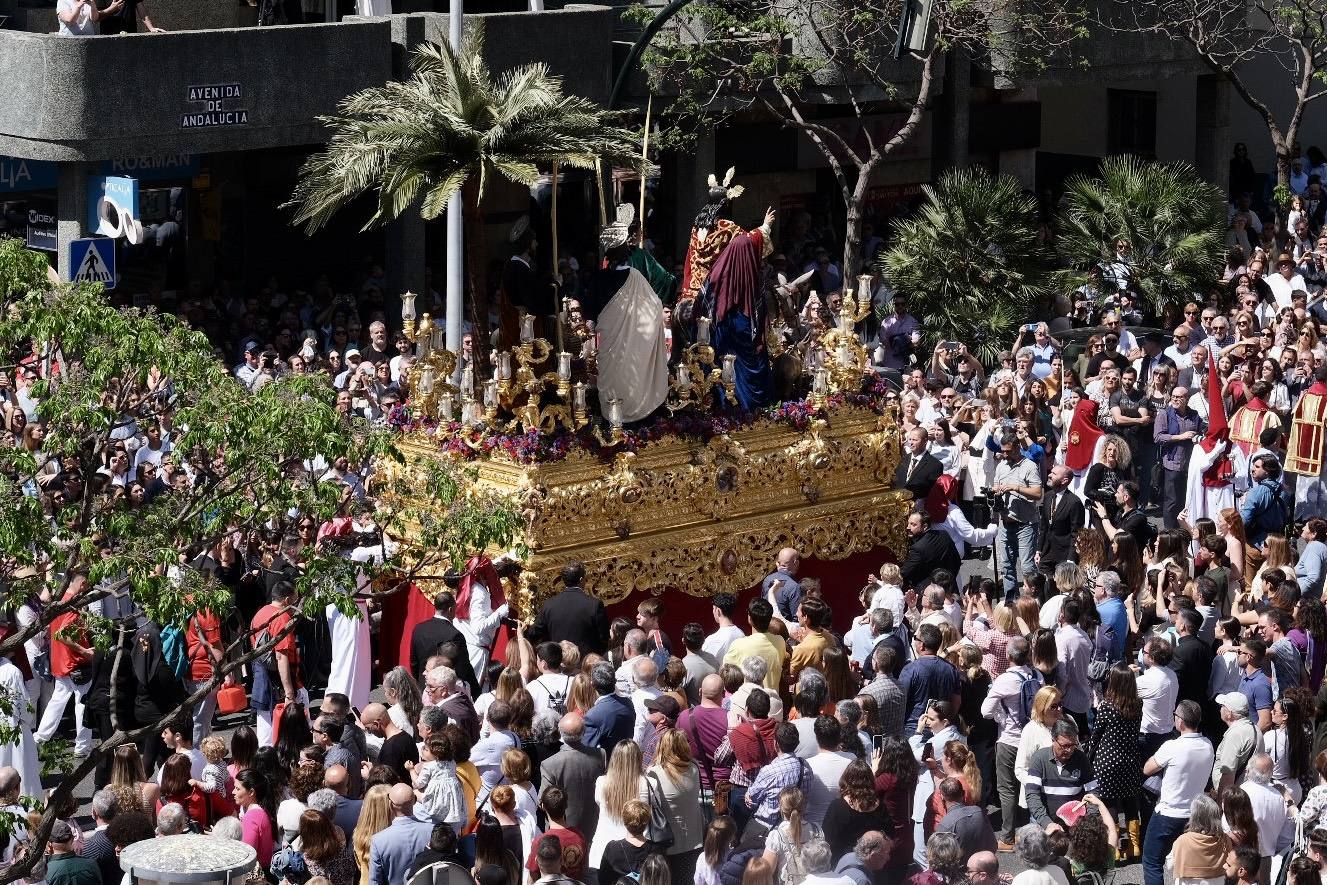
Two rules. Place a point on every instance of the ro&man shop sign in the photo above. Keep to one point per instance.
(217, 106)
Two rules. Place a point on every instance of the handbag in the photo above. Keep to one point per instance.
(659, 831)
(232, 699)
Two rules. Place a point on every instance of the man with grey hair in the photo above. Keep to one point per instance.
(432, 720)
(98, 848)
(1008, 704)
(633, 646)
(1185, 765)
(811, 694)
(1108, 592)
(816, 859)
(337, 780)
(884, 632)
(172, 820)
(888, 693)
(455, 704)
(1058, 774)
(1269, 807)
(933, 606)
(867, 858)
(645, 675)
(574, 769)
(228, 828)
(754, 669)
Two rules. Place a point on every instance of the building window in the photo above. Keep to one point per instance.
(1133, 122)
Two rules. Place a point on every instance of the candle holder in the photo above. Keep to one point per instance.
(693, 382)
(428, 379)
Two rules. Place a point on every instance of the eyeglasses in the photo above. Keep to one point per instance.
(1181, 337)
(1191, 313)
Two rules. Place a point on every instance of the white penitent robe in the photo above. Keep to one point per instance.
(480, 628)
(633, 364)
(23, 755)
(1202, 500)
(351, 656)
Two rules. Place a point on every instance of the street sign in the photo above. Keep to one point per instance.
(93, 261)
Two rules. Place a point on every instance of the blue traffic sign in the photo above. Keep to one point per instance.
(93, 261)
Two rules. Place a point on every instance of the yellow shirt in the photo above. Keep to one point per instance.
(808, 652)
(763, 645)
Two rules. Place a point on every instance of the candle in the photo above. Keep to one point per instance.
(426, 381)
(439, 338)
(728, 374)
(491, 394)
(408, 306)
(527, 328)
(468, 380)
(504, 366)
(445, 407)
(845, 355)
(578, 397)
(564, 366)
(821, 383)
(424, 346)
(703, 330)
(683, 376)
(845, 318)
(615, 412)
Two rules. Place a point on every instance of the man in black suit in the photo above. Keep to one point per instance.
(434, 632)
(1061, 518)
(919, 469)
(1192, 661)
(572, 615)
(928, 550)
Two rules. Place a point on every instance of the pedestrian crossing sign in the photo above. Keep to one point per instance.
(93, 261)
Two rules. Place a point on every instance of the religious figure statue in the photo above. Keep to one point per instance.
(629, 320)
(711, 233)
(1304, 455)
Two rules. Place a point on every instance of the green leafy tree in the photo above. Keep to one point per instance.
(1169, 219)
(726, 59)
(970, 259)
(452, 126)
(255, 458)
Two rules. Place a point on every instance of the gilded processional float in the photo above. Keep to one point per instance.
(670, 452)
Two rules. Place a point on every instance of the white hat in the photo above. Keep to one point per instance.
(615, 234)
(1236, 701)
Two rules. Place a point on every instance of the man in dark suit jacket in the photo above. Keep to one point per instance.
(612, 718)
(928, 550)
(434, 632)
(919, 469)
(96, 847)
(1192, 661)
(572, 615)
(1061, 518)
(573, 769)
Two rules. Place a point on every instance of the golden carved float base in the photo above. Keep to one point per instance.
(702, 518)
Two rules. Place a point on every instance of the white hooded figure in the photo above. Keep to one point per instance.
(633, 360)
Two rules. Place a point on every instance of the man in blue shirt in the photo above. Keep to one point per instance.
(784, 770)
(612, 718)
(1254, 684)
(1109, 595)
(1264, 507)
(927, 677)
(788, 595)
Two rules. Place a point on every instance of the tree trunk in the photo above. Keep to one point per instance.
(855, 199)
(476, 279)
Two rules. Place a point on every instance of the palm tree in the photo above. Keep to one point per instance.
(1170, 220)
(970, 258)
(453, 127)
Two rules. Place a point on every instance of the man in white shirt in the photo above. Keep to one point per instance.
(550, 688)
(754, 669)
(1284, 280)
(1185, 764)
(633, 646)
(1004, 705)
(827, 767)
(1275, 827)
(646, 676)
(716, 644)
(1159, 690)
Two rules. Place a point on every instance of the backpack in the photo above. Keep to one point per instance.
(1103, 647)
(557, 700)
(175, 651)
(1027, 692)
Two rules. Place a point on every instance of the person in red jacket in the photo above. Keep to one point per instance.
(175, 787)
(71, 659)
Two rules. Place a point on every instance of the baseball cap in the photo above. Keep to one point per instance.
(350, 351)
(664, 704)
(252, 346)
(1236, 701)
(61, 832)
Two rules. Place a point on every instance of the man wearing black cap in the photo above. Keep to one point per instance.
(248, 370)
(63, 866)
(661, 713)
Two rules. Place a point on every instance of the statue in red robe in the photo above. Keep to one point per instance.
(710, 234)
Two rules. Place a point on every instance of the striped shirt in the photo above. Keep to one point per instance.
(889, 697)
(1051, 783)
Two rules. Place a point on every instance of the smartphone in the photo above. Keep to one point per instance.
(877, 742)
(1031, 327)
